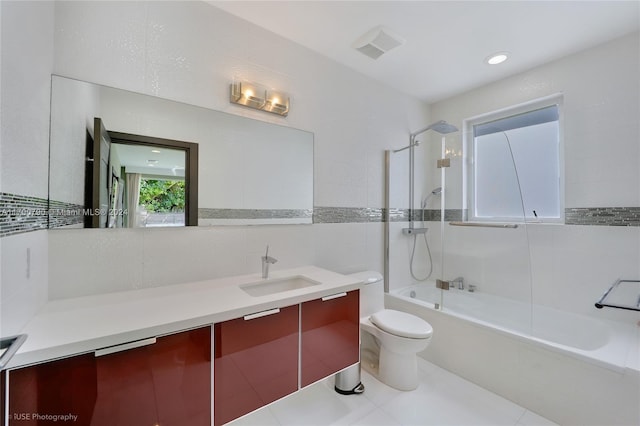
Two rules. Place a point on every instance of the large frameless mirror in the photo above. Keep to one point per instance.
(222, 170)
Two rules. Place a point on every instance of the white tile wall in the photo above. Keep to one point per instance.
(27, 57)
(571, 266)
(601, 92)
(24, 276)
(84, 262)
(191, 52)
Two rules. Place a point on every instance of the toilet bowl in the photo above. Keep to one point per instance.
(397, 337)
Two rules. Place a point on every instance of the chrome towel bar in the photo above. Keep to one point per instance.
(485, 224)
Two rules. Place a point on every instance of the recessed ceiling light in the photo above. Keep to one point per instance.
(156, 151)
(152, 162)
(497, 58)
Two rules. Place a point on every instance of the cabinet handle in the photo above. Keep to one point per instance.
(126, 346)
(261, 314)
(333, 296)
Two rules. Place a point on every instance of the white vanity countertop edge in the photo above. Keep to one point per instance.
(84, 324)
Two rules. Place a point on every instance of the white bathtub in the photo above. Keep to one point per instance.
(609, 344)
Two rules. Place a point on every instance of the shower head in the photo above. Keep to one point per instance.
(441, 127)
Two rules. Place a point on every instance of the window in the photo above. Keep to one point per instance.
(516, 163)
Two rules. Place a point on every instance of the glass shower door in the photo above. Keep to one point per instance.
(485, 262)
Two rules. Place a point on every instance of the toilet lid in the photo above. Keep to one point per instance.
(402, 324)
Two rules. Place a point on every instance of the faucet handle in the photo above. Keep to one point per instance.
(268, 259)
(459, 281)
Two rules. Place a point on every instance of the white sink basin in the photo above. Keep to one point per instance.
(277, 285)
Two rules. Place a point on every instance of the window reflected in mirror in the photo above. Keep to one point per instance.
(152, 182)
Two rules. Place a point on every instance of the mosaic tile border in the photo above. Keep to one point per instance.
(65, 214)
(603, 216)
(368, 215)
(205, 213)
(20, 213)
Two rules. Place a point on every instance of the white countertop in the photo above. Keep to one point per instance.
(84, 324)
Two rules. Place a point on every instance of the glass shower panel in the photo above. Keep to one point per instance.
(485, 262)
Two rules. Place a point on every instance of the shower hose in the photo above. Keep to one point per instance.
(413, 253)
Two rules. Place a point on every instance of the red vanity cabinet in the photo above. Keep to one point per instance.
(256, 361)
(330, 339)
(64, 386)
(163, 381)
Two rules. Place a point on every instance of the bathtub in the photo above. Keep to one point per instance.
(572, 369)
(610, 344)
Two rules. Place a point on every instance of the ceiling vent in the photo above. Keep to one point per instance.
(378, 41)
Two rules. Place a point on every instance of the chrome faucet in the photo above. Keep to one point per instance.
(458, 282)
(266, 261)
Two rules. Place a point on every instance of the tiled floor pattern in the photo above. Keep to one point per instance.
(442, 398)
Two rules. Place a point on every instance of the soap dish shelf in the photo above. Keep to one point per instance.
(619, 293)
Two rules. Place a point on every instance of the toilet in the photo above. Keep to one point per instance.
(390, 339)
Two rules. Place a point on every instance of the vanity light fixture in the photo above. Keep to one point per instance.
(255, 96)
(497, 58)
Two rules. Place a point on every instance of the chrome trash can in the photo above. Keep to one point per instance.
(348, 381)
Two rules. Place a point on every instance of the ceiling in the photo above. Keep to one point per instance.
(150, 160)
(446, 41)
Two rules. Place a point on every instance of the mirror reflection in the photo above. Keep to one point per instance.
(151, 179)
(246, 171)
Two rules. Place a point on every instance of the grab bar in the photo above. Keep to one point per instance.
(485, 225)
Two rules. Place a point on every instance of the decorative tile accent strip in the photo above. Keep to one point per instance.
(253, 213)
(19, 213)
(364, 215)
(65, 214)
(347, 214)
(434, 215)
(604, 216)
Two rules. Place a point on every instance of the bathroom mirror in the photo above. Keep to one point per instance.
(249, 171)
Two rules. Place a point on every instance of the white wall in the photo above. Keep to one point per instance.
(191, 51)
(27, 58)
(571, 265)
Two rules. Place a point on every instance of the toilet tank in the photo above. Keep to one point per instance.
(372, 293)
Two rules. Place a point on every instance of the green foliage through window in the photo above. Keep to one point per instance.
(162, 196)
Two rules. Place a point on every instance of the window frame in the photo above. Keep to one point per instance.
(468, 170)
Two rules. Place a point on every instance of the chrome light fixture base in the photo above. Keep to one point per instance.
(256, 97)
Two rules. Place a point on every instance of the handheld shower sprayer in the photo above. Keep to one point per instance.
(436, 191)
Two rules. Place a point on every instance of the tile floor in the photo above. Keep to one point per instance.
(442, 398)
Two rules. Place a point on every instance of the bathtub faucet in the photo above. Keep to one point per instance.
(458, 282)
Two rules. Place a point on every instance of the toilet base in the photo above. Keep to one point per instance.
(399, 371)
(389, 358)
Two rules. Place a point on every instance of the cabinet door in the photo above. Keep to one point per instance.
(181, 370)
(40, 392)
(330, 335)
(256, 362)
(165, 383)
